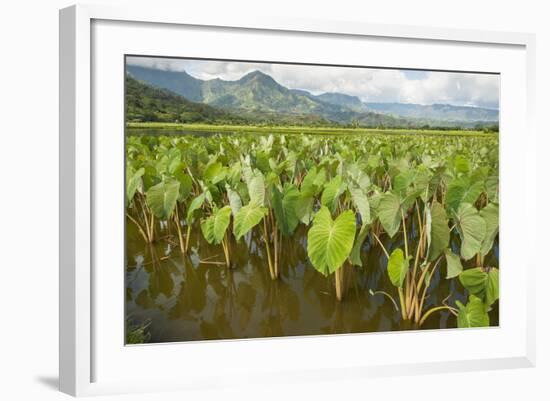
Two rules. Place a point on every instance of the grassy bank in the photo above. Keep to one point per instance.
(300, 130)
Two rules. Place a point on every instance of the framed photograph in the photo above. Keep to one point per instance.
(290, 199)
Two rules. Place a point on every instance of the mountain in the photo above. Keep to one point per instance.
(445, 112)
(147, 103)
(254, 92)
(257, 91)
(177, 82)
(351, 102)
(259, 97)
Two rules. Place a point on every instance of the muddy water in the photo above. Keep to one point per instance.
(194, 297)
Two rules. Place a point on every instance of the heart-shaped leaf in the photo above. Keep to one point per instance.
(313, 182)
(361, 203)
(304, 208)
(234, 200)
(214, 227)
(195, 205)
(284, 207)
(186, 185)
(133, 180)
(483, 283)
(329, 242)
(247, 218)
(471, 228)
(162, 198)
(473, 314)
(333, 189)
(398, 266)
(256, 189)
(454, 266)
(438, 230)
(461, 190)
(389, 213)
(214, 173)
(490, 214)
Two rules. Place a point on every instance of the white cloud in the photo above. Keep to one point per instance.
(371, 85)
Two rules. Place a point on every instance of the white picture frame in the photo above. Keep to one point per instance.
(90, 364)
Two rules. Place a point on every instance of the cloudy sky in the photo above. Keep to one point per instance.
(369, 84)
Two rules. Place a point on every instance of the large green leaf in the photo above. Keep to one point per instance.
(462, 165)
(483, 283)
(133, 180)
(256, 189)
(195, 205)
(214, 173)
(461, 191)
(438, 232)
(329, 242)
(398, 266)
(473, 314)
(389, 213)
(333, 189)
(361, 203)
(358, 175)
(471, 228)
(304, 208)
(454, 266)
(234, 200)
(475, 281)
(234, 173)
(162, 198)
(169, 161)
(247, 218)
(401, 183)
(313, 181)
(186, 185)
(151, 177)
(214, 227)
(490, 214)
(284, 207)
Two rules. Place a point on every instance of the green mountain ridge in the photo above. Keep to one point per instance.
(435, 111)
(254, 92)
(145, 103)
(257, 97)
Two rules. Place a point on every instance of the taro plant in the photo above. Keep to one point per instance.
(411, 266)
(283, 211)
(214, 229)
(194, 206)
(250, 215)
(482, 285)
(136, 208)
(161, 200)
(329, 243)
(412, 207)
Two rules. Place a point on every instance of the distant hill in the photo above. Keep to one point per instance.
(445, 112)
(258, 97)
(146, 103)
(178, 82)
(351, 102)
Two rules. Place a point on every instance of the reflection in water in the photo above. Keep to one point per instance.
(191, 297)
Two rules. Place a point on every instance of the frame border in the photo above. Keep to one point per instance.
(75, 169)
